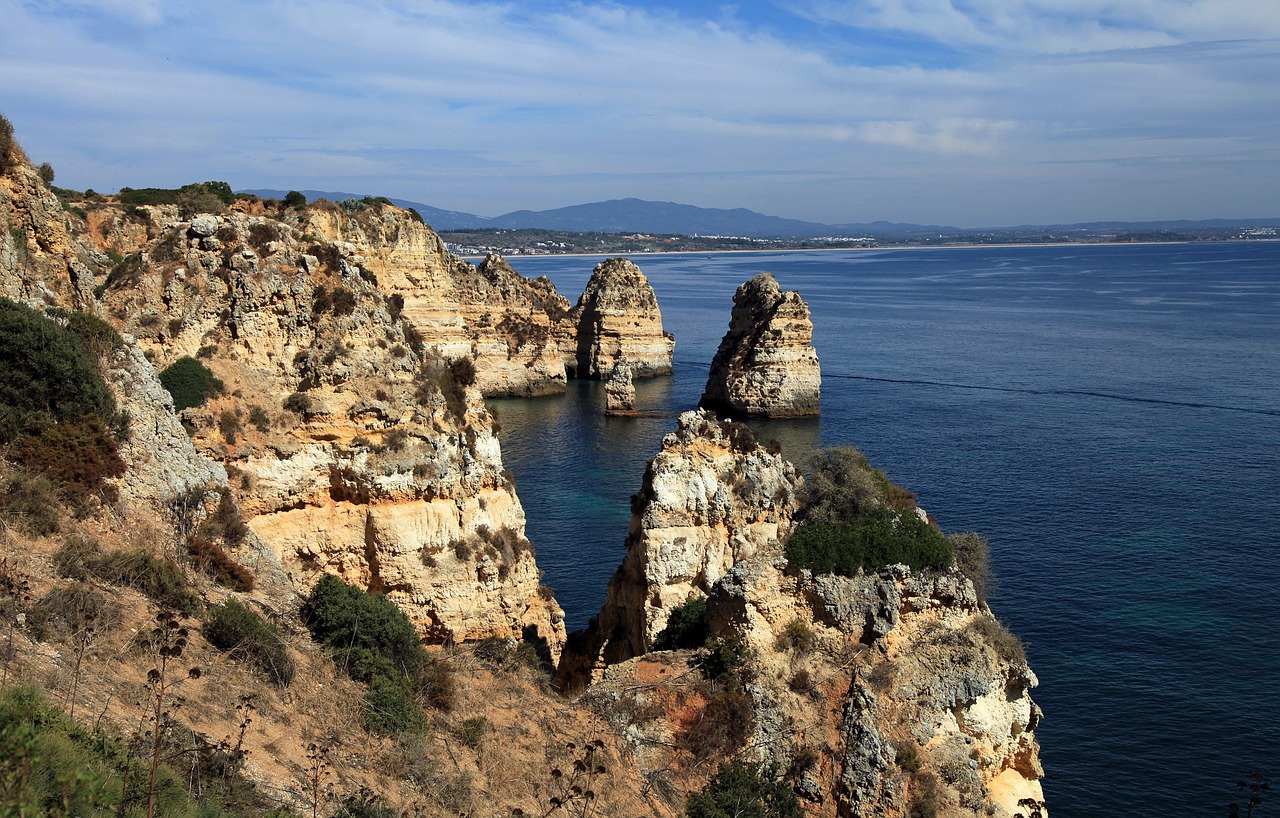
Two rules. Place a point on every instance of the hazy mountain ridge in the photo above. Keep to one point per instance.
(641, 215)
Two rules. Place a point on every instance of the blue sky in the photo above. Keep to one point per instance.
(963, 112)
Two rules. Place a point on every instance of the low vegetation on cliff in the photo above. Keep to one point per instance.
(854, 519)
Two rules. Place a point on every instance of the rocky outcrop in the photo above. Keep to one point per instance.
(619, 391)
(40, 260)
(353, 448)
(766, 365)
(618, 317)
(938, 707)
(889, 693)
(711, 498)
(505, 322)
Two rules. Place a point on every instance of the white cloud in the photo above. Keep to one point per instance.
(1055, 26)
(496, 106)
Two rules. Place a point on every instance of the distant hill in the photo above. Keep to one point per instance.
(643, 216)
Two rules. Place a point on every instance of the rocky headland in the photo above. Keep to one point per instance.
(297, 394)
(766, 365)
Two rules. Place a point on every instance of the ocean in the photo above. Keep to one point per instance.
(1108, 416)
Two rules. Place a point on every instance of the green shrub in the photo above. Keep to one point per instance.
(295, 200)
(52, 766)
(99, 337)
(686, 627)
(243, 635)
(30, 504)
(726, 660)
(45, 171)
(46, 368)
(190, 383)
(741, 790)
(876, 540)
(388, 710)
(366, 627)
(472, 731)
(159, 579)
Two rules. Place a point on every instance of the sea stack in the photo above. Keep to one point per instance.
(766, 365)
(617, 316)
(619, 391)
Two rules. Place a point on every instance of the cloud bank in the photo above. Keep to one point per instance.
(982, 112)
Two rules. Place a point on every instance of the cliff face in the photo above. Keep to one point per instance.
(766, 365)
(618, 317)
(491, 314)
(353, 447)
(892, 693)
(40, 261)
(712, 498)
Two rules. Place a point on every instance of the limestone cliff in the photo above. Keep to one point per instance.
(888, 693)
(353, 447)
(712, 498)
(766, 365)
(40, 261)
(490, 313)
(618, 317)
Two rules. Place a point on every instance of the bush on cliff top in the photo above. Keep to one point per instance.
(875, 541)
(855, 519)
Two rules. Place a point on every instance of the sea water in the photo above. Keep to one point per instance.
(1108, 416)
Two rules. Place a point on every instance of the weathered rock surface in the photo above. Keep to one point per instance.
(385, 469)
(491, 313)
(619, 391)
(884, 693)
(40, 261)
(711, 498)
(766, 365)
(618, 317)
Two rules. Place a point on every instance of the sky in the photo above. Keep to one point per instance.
(971, 113)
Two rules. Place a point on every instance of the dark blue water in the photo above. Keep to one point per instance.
(1108, 416)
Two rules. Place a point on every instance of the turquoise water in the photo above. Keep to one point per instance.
(1108, 416)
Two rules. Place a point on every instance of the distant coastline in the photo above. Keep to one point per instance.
(877, 247)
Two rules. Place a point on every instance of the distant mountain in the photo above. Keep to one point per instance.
(434, 216)
(642, 216)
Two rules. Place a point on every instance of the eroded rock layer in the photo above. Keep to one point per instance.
(766, 365)
(887, 693)
(354, 448)
(711, 498)
(618, 317)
